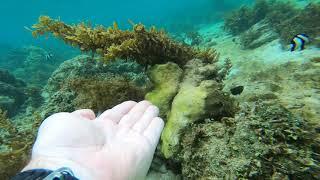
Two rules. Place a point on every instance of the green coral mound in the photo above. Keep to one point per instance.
(283, 17)
(188, 107)
(199, 97)
(147, 47)
(165, 79)
(262, 141)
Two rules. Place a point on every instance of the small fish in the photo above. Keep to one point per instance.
(27, 28)
(236, 90)
(48, 56)
(298, 42)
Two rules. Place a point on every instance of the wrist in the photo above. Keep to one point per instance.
(51, 163)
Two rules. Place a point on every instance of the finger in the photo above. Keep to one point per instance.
(153, 131)
(143, 123)
(134, 114)
(117, 112)
(85, 113)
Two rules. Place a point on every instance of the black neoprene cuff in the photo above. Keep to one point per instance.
(39, 174)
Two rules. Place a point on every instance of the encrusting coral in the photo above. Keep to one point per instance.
(32, 64)
(81, 83)
(15, 143)
(103, 92)
(12, 92)
(199, 97)
(165, 79)
(262, 141)
(147, 47)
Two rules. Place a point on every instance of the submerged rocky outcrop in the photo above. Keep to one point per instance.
(262, 141)
(82, 83)
(268, 20)
(12, 92)
(207, 136)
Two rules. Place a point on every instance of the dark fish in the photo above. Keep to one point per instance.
(48, 56)
(236, 90)
(298, 42)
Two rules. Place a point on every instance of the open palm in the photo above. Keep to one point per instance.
(119, 144)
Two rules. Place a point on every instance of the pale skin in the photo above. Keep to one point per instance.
(117, 145)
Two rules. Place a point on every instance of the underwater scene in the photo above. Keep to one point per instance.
(237, 82)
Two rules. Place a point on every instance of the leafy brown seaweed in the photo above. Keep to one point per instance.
(147, 47)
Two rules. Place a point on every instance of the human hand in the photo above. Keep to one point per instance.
(119, 144)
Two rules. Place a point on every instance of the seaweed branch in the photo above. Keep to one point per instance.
(145, 46)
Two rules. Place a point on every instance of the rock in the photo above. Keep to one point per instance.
(12, 92)
(83, 83)
(257, 35)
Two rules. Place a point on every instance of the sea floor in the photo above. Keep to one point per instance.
(271, 72)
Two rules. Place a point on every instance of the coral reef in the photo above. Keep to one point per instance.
(204, 136)
(262, 141)
(165, 79)
(293, 84)
(105, 85)
(305, 21)
(16, 143)
(103, 92)
(147, 47)
(32, 64)
(282, 17)
(199, 97)
(12, 92)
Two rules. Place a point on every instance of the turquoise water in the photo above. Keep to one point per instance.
(16, 14)
(237, 101)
